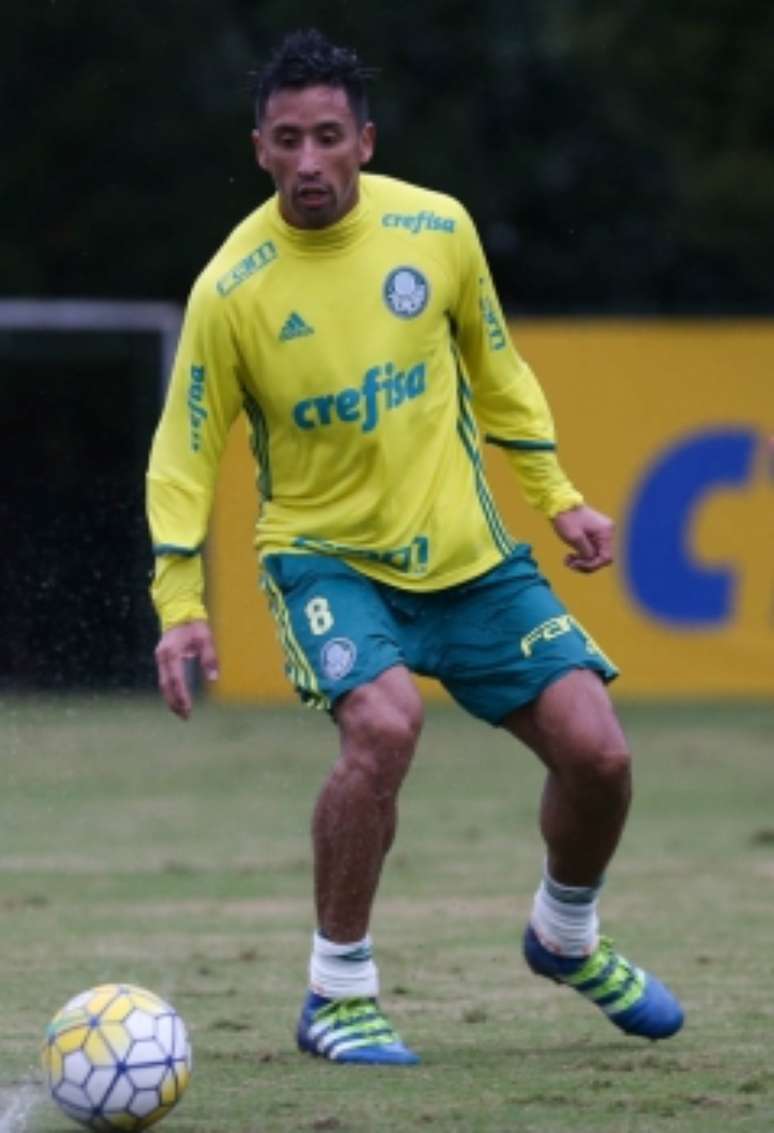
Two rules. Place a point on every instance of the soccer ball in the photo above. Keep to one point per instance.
(116, 1057)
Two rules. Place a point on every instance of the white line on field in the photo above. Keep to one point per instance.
(16, 1106)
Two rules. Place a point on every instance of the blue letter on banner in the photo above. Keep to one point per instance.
(660, 570)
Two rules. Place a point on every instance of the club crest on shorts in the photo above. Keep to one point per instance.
(338, 657)
(406, 292)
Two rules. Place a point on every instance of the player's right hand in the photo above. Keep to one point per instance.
(191, 641)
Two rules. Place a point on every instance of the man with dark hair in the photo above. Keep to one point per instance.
(305, 59)
(354, 319)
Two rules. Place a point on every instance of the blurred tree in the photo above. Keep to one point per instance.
(692, 85)
(616, 154)
(126, 145)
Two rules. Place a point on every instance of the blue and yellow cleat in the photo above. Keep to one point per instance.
(634, 1000)
(350, 1030)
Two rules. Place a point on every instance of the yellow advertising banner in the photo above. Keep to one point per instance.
(663, 425)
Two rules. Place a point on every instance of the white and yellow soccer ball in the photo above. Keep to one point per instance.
(116, 1057)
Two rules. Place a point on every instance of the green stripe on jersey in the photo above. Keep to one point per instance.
(173, 549)
(260, 445)
(521, 446)
(468, 433)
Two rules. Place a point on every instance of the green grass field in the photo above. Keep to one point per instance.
(134, 847)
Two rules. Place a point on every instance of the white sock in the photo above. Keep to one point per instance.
(343, 971)
(564, 917)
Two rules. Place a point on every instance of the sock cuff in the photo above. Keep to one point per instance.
(571, 894)
(566, 927)
(356, 951)
(343, 971)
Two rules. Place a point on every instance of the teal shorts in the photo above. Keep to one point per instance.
(494, 642)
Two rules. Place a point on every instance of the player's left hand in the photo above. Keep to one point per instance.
(590, 534)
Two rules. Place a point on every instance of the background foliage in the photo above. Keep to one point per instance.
(616, 154)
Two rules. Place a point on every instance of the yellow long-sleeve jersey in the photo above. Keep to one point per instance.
(370, 357)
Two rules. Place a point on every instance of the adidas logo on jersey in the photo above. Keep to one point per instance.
(294, 327)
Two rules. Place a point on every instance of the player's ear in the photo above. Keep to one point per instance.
(258, 147)
(367, 142)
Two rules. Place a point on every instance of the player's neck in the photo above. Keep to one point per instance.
(348, 229)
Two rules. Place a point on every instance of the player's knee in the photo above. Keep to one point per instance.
(595, 746)
(614, 765)
(383, 727)
(605, 767)
(379, 732)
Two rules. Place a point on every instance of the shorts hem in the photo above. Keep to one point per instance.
(334, 698)
(604, 672)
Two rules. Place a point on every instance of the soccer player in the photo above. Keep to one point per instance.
(354, 319)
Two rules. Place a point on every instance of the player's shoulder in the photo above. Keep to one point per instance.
(404, 206)
(246, 252)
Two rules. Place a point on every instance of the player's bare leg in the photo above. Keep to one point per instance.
(356, 814)
(353, 828)
(573, 729)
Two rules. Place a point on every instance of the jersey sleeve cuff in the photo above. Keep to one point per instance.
(542, 480)
(177, 589)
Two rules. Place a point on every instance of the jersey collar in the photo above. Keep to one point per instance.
(344, 233)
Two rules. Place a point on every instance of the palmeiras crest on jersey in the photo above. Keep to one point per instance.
(338, 657)
(406, 292)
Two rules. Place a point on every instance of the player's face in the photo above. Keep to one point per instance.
(312, 146)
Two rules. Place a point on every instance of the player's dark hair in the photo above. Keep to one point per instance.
(307, 58)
